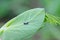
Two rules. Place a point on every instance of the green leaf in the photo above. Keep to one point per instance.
(52, 6)
(52, 19)
(53, 25)
(24, 26)
(50, 26)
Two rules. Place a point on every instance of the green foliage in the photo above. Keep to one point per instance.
(23, 26)
(27, 24)
(51, 28)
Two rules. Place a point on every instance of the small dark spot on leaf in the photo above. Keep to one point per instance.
(26, 23)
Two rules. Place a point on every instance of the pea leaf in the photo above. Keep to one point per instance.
(52, 19)
(53, 25)
(24, 26)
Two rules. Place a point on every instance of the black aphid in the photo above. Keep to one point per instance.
(26, 23)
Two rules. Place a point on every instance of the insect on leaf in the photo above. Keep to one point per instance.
(24, 26)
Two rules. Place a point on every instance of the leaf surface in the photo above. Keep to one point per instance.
(24, 26)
